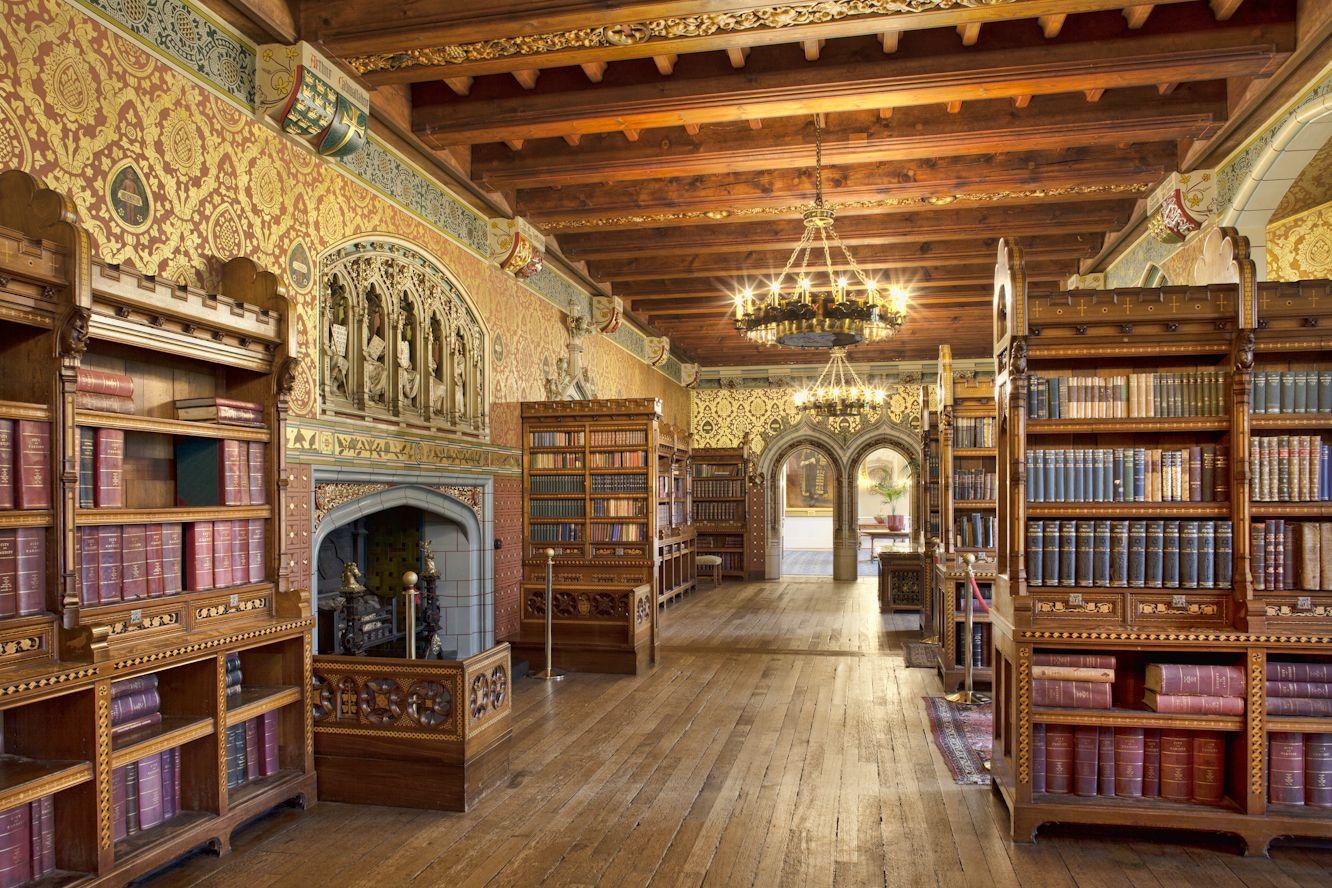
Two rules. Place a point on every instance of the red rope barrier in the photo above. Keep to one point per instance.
(976, 593)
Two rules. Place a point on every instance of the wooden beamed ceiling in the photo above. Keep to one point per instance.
(669, 144)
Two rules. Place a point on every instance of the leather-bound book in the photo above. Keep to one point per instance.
(240, 552)
(1089, 661)
(1193, 704)
(150, 791)
(1176, 765)
(1285, 768)
(257, 457)
(131, 798)
(222, 554)
(1299, 689)
(1188, 554)
(1279, 670)
(1151, 763)
(1085, 765)
(1221, 493)
(1209, 767)
(171, 782)
(1073, 673)
(127, 707)
(1068, 553)
(235, 473)
(1128, 762)
(118, 830)
(1318, 770)
(1208, 487)
(200, 480)
(1170, 554)
(1271, 545)
(109, 463)
(1318, 707)
(89, 541)
(104, 382)
(1059, 759)
(255, 531)
(1195, 491)
(1287, 576)
(1101, 553)
(236, 767)
(269, 741)
(43, 844)
(1155, 576)
(135, 685)
(1308, 565)
(1035, 545)
(253, 750)
(198, 556)
(1072, 694)
(1083, 567)
(32, 462)
(108, 563)
(1192, 678)
(172, 555)
(6, 463)
(1050, 566)
(1105, 760)
(133, 560)
(1258, 555)
(103, 403)
(154, 585)
(1224, 556)
(8, 572)
(1038, 758)
(1206, 554)
(15, 846)
(1119, 552)
(87, 467)
(1325, 548)
(30, 579)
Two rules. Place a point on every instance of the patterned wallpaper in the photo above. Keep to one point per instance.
(1300, 248)
(1312, 188)
(81, 105)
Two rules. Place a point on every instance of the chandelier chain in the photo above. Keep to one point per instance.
(818, 161)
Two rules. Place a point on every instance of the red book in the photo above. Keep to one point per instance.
(1085, 766)
(103, 403)
(1279, 671)
(150, 791)
(135, 685)
(240, 551)
(6, 463)
(1038, 758)
(32, 442)
(1285, 768)
(1318, 770)
(127, 707)
(255, 560)
(108, 564)
(253, 760)
(1194, 705)
(31, 582)
(1128, 762)
(1098, 661)
(1151, 763)
(1176, 765)
(170, 783)
(257, 453)
(1105, 758)
(1074, 694)
(1195, 680)
(104, 382)
(198, 556)
(154, 584)
(1320, 707)
(270, 743)
(43, 839)
(119, 827)
(1058, 758)
(1209, 763)
(172, 551)
(235, 473)
(133, 557)
(8, 572)
(109, 466)
(15, 846)
(1299, 689)
(89, 540)
(221, 554)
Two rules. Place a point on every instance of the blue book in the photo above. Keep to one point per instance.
(1068, 553)
(1170, 556)
(1069, 470)
(1086, 532)
(1057, 476)
(1188, 554)
(1139, 475)
(1137, 553)
(1048, 471)
(1101, 553)
(1107, 476)
(1050, 563)
(1032, 495)
(1035, 552)
(1224, 555)
(1155, 546)
(1118, 469)
(1119, 552)
(1259, 392)
(1287, 392)
(1206, 554)
(1079, 475)
(1301, 400)
(1272, 397)
(1325, 391)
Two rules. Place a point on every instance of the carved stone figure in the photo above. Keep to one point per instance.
(376, 369)
(337, 369)
(409, 378)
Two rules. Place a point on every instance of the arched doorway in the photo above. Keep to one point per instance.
(772, 467)
(808, 502)
(883, 504)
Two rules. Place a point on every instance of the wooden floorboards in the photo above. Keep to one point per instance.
(782, 741)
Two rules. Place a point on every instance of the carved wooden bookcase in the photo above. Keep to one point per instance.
(60, 310)
(721, 517)
(962, 401)
(676, 536)
(590, 485)
(1233, 325)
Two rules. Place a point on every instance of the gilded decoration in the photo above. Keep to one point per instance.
(763, 18)
(331, 445)
(1299, 248)
(334, 494)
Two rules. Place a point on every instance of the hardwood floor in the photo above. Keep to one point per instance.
(781, 742)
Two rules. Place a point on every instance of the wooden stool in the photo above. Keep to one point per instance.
(712, 561)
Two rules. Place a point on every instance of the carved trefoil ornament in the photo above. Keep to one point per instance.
(566, 377)
(1181, 205)
(607, 313)
(310, 98)
(516, 247)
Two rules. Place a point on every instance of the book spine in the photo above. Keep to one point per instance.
(109, 461)
(172, 555)
(1068, 551)
(1105, 760)
(150, 791)
(134, 685)
(235, 473)
(1119, 552)
(1151, 763)
(1058, 758)
(1038, 758)
(1176, 765)
(1072, 694)
(269, 737)
(6, 463)
(118, 830)
(198, 556)
(1137, 559)
(131, 799)
(32, 442)
(136, 724)
(1278, 670)
(1209, 760)
(1196, 705)
(257, 459)
(1299, 689)
(154, 583)
(1089, 661)
(1285, 768)
(1128, 762)
(1050, 561)
(222, 554)
(1318, 770)
(8, 572)
(103, 403)
(253, 759)
(1035, 553)
(15, 846)
(1085, 764)
(30, 570)
(255, 562)
(104, 382)
(128, 707)
(170, 785)
(133, 559)
(89, 541)
(1083, 568)
(108, 563)
(1188, 554)
(87, 467)
(1195, 679)
(1318, 707)
(1074, 673)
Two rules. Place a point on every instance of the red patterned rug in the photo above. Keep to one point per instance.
(963, 735)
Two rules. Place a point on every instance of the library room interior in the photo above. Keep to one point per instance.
(719, 443)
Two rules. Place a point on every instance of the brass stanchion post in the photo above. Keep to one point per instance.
(550, 673)
(409, 594)
(967, 696)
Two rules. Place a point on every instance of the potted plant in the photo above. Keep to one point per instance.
(889, 488)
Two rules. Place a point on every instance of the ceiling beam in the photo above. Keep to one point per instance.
(869, 83)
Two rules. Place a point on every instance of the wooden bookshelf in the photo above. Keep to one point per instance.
(1208, 342)
(676, 537)
(611, 460)
(720, 498)
(61, 310)
(950, 616)
(966, 461)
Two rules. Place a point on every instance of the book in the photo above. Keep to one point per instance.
(172, 552)
(89, 541)
(129, 706)
(109, 466)
(1086, 772)
(32, 464)
(222, 554)
(133, 560)
(1089, 661)
(1038, 758)
(170, 783)
(1194, 704)
(253, 747)
(1279, 670)
(43, 843)
(103, 403)
(87, 467)
(1299, 689)
(15, 846)
(214, 401)
(118, 804)
(1151, 763)
(1319, 707)
(1176, 765)
(1073, 694)
(6, 463)
(131, 799)
(1285, 768)
(1318, 770)
(104, 382)
(150, 791)
(138, 723)
(235, 473)
(1129, 748)
(198, 556)
(108, 563)
(134, 685)
(1209, 754)
(1189, 678)
(1058, 758)
(1073, 673)
(256, 459)
(1105, 760)
(255, 560)
(9, 572)
(154, 583)
(269, 742)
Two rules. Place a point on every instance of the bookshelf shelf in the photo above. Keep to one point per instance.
(159, 426)
(973, 504)
(1290, 510)
(26, 518)
(23, 410)
(1117, 426)
(172, 731)
(1270, 421)
(146, 842)
(252, 789)
(1138, 718)
(91, 517)
(1298, 724)
(973, 451)
(23, 778)
(1127, 510)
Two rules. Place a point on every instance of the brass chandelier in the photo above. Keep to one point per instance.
(808, 306)
(839, 391)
